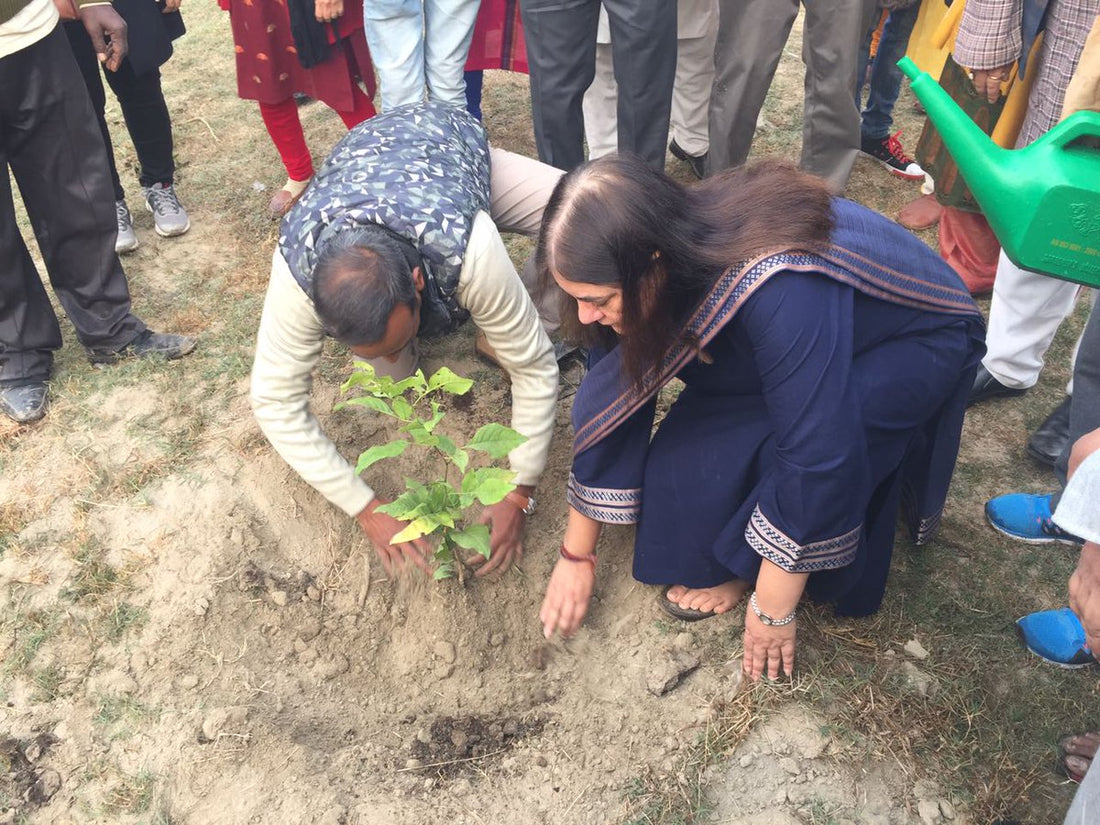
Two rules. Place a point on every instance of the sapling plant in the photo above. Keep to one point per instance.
(436, 508)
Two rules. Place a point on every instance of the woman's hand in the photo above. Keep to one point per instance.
(767, 647)
(328, 10)
(567, 597)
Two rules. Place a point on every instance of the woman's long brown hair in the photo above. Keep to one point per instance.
(614, 221)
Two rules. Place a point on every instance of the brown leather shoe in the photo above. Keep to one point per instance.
(923, 213)
(284, 199)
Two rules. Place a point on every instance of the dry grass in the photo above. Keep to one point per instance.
(985, 733)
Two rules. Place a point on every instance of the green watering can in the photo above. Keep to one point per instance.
(1042, 201)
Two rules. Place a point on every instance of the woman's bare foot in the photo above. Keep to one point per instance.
(1077, 753)
(718, 599)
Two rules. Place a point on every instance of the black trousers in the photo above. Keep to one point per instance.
(561, 57)
(143, 108)
(49, 138)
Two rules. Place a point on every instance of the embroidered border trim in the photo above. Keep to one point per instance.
(780, 549)
(605, 504)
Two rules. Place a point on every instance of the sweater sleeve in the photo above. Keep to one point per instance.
(491, 290)
(287, 349)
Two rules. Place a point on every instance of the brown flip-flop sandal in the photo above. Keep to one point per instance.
(684, 614)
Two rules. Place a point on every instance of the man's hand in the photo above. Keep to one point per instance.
(987, 82)
(567, 597)
(1084, 594)
(380, 528)
(171, 6)
(506, 522)
(108, 33)
(328, 10)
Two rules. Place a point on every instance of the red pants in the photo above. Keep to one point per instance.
(285, 128)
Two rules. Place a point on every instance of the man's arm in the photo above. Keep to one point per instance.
(491, 290)
(989, 42)
(287, 349)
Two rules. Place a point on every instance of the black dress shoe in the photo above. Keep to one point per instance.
(986, 387)
(148, 344)
(698, 163)
(24, 404)
(1052, 436)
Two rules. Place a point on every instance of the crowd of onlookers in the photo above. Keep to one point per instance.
(639, 77)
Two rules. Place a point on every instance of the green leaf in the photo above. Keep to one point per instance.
(496, 440)
(473, 537)
(422, 436)
(378, 452)
(402, 409)
(376, 404)
(460, 458)
(445, 380)
(410, 504)
(444, 571)
(488, 484)
(363, 376)
(416, 528)
(437, 416)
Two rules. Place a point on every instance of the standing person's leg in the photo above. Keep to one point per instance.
(395, 35)
(150, 127)
(601, 126)
(561, 57)
(519, 190)
(643, 51)
(126, 239)
(88, 64)
(58, 159)
(1024, 314)
(751, 37)
(285, 129)
(830, 120)
(691, 92)
(885, 86)
(29, 332)
(878, 116)
(1084, 405)
(449, 28)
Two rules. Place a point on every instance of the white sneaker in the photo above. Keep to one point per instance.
(127, 240)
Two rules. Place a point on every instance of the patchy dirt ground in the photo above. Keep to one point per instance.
(190, 634)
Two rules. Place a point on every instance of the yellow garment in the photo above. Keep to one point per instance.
(933, 39)
(1083, 91)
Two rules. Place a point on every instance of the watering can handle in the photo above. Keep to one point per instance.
(1080, 124)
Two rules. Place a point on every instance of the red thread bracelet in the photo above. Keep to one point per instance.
(590, 559)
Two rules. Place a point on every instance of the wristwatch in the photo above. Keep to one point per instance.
(525, 503)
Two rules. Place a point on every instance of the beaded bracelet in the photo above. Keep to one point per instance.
(590, 558)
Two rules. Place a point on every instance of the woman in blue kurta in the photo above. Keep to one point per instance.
(826, 355)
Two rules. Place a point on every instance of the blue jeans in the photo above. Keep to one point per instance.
(885, 86)
(420, 47)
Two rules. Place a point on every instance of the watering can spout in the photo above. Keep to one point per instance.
(1043, 201)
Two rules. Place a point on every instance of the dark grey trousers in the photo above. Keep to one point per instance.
(49, 138)
(1084, 405)
(751, 38)
(561, 56)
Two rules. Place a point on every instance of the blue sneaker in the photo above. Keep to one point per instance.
(1026, 517)
(1056, 636)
